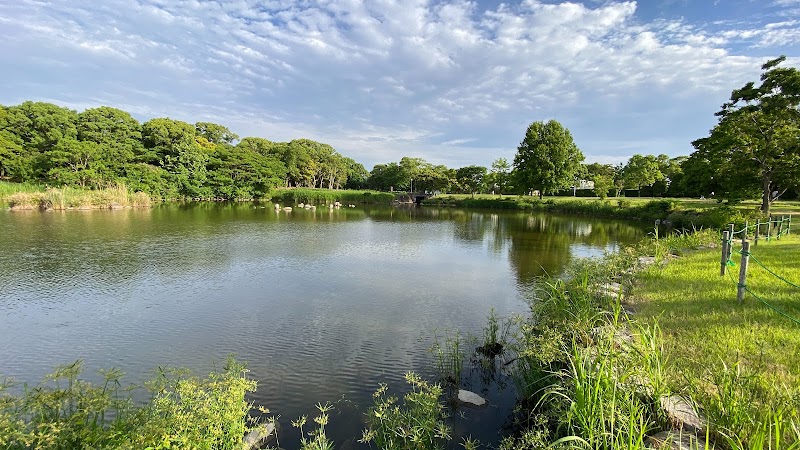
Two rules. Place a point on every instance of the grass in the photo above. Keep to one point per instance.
(64, 412)
(740, 359)
(780, 207)
(328, 196)
(28, 196)
(416, 423)
(590, 375)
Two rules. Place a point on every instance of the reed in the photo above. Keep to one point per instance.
(113, 196)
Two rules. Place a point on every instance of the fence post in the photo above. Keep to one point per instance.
(743, 272)
(769, 228)
(730, 239)
(758, 229)
(789, 225)
(723, 262)
(744, 232)
(780, 227)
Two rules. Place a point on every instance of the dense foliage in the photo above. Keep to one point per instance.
(547, 159)
(66, 412)
(754, 149)
(166, 158)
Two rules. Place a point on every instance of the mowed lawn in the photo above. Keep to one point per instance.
(787, 207)
(705, 327)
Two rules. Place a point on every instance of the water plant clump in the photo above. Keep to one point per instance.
(316, 439)
(416, 423)
(449, 357)
(495, 335)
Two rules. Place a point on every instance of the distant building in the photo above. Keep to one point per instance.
(585, 184)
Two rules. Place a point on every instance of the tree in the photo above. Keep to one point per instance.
(641, 171)
(216, 134)
(499, 174)
(755, 143)
(76, 163)
(357, 175)
(547, 159)
(116, 132)
(471, 178)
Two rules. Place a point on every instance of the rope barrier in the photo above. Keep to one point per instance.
(771, 272)
(731, 263)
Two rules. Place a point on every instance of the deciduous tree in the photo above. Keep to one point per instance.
(756, 144)
(547, 159)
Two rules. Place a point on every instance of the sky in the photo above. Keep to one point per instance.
(453, 82)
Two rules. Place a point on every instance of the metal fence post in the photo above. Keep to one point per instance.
(742, 286)
(723, 262)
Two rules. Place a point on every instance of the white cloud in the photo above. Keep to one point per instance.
(383, 78)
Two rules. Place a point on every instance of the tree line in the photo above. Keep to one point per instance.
(167, 158)
(753, 151)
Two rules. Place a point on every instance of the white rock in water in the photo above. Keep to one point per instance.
(287, 208)
(301, 205)
(470, 398)
(259, 437)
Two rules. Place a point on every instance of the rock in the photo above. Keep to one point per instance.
(682, 415)
(646, 260)
(308, 206)
(469, 398)
(115, 205)
(287, 208)
(259, 437)
(277, 206)
(676, 440)
(301, 205)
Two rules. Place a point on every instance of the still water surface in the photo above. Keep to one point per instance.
(322, 305)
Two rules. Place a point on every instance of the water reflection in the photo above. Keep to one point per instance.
(320, 303)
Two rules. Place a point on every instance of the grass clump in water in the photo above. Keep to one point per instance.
(449, 357)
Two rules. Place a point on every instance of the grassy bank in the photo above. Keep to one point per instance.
(592, 373)
(681, 213)
(328, 196)
(741, 360)
(24, 196)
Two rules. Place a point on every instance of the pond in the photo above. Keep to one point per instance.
(322, 305)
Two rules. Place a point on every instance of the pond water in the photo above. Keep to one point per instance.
(322, 305)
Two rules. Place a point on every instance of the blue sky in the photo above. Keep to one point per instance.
(454, 82)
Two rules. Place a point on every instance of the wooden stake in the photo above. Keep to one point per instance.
(743, 272)
(723, 262)
(758, 229)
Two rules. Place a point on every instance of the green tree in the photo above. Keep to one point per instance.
(77, 163)
(755, 143)
(357, 175)
(641, 171)
(499, 174)
(547, 158)
(216, 134)
(471, 178)
(117, 133)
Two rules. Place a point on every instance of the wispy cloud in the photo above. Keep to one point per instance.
(384, 79)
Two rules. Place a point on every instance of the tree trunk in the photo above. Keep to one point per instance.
(766, 194)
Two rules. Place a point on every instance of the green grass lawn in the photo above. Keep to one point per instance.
(778, 208)
(714, 342)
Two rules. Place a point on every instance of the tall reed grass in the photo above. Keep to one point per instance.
(115, 196)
